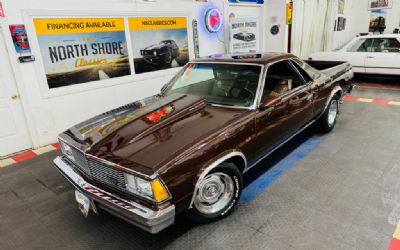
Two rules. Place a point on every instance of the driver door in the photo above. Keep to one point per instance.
(287, 107)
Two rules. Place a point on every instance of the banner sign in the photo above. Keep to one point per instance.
(196, 39)
(289, 13)
(79, 50)
(19, 38)
(244, 34)
(159, 42)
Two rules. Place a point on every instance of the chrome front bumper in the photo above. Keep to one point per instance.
(136, 214)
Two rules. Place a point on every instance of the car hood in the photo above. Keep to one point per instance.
(154, 46)
(130, 140)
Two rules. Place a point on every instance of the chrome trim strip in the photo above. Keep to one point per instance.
(155, 221)
(214, 165)
(274, 149)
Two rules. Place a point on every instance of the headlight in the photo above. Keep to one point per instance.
(67, 150)
(153, 190)
(155, 53)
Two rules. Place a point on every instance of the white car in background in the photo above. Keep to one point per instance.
(373, 54)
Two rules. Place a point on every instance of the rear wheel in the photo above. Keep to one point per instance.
(328, 119)
(217, 194)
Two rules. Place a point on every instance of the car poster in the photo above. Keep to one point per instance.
(79, 50)
(158, 42)
(244, 34)
(19, 38)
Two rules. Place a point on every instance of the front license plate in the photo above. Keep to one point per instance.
(83, 202)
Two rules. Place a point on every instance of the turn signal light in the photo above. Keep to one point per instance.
(159, 191)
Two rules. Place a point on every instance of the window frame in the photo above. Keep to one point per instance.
(294, 70)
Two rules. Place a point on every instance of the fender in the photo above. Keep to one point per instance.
(214, 164)
(335, 90)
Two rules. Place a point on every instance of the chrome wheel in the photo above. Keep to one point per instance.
(333, 110)
(214, 193)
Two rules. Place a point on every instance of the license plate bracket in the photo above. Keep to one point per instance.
(84, 203)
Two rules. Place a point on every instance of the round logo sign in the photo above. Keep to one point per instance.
(275, 29)
(213, 20)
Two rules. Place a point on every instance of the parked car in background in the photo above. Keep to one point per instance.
(374, 54)
(245, 36)
(161, 53)
(186, 149)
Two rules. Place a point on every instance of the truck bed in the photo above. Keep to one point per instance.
(323, 65)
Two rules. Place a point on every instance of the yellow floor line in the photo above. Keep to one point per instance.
(394, 103)
(43, 150)
(364, 100)
(7, 162)
(397, 232)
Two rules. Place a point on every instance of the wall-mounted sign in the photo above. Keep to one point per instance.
(213, 20)
(380, 4)
(247, 1)
(159, 42)
(79, 50)
(289, 13)
(244, 34)
(196, 39)
(275, 30)
(19, 38)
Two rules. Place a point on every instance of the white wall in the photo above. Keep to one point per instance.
(358, 16)
(49, 112)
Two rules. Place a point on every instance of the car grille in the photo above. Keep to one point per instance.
(108, 175)
(80, 161)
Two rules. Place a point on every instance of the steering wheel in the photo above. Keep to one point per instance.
(242, 88)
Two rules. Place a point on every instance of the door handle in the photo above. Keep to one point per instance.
(15, 97)
(370, 57)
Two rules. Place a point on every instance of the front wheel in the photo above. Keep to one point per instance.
(328, 119)
(217, 194)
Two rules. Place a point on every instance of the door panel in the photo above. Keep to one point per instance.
(13, 130)
(356, 59)
(383, 63)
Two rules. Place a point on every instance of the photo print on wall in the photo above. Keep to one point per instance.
(79, 50)
(158, 43)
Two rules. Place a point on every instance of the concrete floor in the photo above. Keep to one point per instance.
(345, 194)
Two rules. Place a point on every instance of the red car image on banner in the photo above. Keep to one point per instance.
(19, 37)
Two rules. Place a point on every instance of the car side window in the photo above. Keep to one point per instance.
(307, 78)
(281, 78)
(385, 45)
(365, 46)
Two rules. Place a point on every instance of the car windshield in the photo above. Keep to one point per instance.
(222, 84)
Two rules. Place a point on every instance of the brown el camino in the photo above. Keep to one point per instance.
(186, 149)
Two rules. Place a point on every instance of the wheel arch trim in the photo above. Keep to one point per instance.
(335, 90)
(214, 164)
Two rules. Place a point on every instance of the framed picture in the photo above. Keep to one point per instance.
(341, 6)
(340, 24)
(380, 4)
